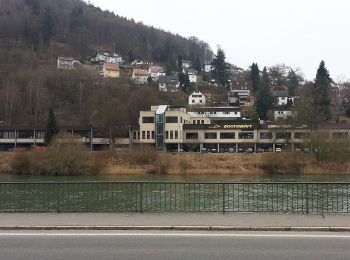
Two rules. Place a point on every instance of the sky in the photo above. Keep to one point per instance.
(298, 33)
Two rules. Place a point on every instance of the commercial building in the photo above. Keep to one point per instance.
(175, 129)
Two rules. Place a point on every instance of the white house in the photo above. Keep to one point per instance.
(192, 75)
(155, 72)
(197, 98)
(186, 64)
(284, 114)
(207, 68)
(105, 57)
(282, 98)
(67, 63)
(169, 83)
(139, 76)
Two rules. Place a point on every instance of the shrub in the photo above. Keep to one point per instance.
(283, 163)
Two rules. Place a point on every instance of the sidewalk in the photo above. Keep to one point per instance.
(263, 222)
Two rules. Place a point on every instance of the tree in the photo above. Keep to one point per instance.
(348, 110)
(278, 75)
(179, 64)
(219, 65)
(321, 99)
(51, 127)
(47, 27)
(293, 82)
(255, 76)
(197, 64)
(264, 99)
(131, 56)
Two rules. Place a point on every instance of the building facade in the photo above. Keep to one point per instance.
(175, 129)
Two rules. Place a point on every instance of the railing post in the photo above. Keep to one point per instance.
(223, 198)
(141, 197)
(58, 199)
(307, 198)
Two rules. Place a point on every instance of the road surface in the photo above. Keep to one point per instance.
(153, 245)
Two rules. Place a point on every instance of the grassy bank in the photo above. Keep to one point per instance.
(145, 162)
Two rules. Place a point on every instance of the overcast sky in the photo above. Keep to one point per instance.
(299, 33)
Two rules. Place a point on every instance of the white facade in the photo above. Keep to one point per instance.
(196, 98)
(192, 75)
(207, 68)
(108, 58)
(67, 63)
(155, 72)
(283, 114)
(217, 113)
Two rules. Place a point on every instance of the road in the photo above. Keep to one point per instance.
(171, 245)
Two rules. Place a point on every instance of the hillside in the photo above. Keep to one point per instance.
(33, 33)
(73, 27)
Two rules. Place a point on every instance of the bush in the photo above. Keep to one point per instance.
(283, 163)
(65, 156)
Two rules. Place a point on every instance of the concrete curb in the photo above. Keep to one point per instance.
(179, 228)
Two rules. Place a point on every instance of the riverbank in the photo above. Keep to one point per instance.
(150, 162)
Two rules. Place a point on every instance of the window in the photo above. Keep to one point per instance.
(40, 134)
(166, 134)
(171, 135)
(192, 136)
(227, 135)
(211, 135)
(283, 135)
(200, 101)
(176, 135)
(148, 135)
(152, 134)
(148, 120)
(134, 135)
(202, 122)
(340, 135)
(193, 101)
(266, 135)
(247, 135)
(25, 134)
(143, 134)
(172, 119)
(302, 135)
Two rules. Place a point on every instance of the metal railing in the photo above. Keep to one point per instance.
(174, 197)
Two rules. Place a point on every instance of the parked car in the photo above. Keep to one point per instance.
(278, 150)
(307, 150)
(231, 150)
(240, 150)
(298, 150)
(214, 150)
(249, 150)
(205, 150)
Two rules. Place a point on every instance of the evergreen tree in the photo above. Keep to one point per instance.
(47, 26)
(197, 64)
(187, 80)
(264, 100)
(293, 82)
(131, 56)
(321, 99)
(51, 127)
(255, 76)
(219, 67)
(179, 64)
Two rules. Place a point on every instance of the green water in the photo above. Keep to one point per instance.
(184, 178)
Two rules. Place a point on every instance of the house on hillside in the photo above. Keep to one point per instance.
(155, 72)
(284, 114)
(241, 95)
(67, 63)
(139, 76)
(111, 70)
(192, 75)
(197, 98)
(186, 64)
(206, 68)
(282, 98)
(106, 57)
(141, 62)
(169, 83)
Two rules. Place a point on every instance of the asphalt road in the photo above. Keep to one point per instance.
(172, 245)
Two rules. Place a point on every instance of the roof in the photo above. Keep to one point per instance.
(191, 71)
(243, 86)
(218, 109)
(140, 72)
(156, 69)
(279, 93)
(66, 58)
(168, 79)
(111, 67)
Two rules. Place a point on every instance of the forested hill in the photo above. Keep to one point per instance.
(77, 28)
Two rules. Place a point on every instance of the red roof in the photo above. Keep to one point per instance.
(110, 66)
(140, 72)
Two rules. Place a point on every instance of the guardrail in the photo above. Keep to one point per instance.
(174, 197)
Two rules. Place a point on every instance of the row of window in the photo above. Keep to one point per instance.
(168, 119)
(22, 134)
(250, 135)
(150, 135)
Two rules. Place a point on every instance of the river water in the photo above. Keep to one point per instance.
(183, 178)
